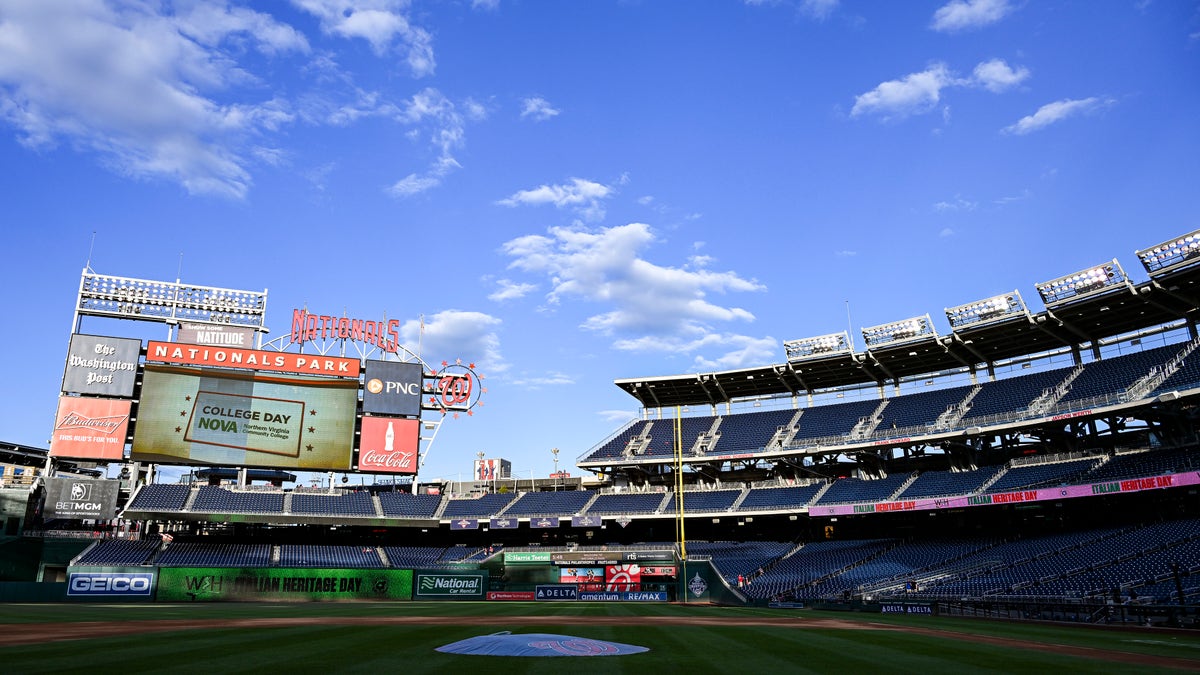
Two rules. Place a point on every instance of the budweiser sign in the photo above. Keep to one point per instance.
(90, 428)
(389, 445)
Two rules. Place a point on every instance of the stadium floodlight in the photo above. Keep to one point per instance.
(169, 302)
(986, 311)
(1171, 255)
(898, 331)
(822, 345)
(1082, 284)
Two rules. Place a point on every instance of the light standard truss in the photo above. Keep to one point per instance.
(169, 302)
(1082, 284)
(996, 308)
(822, 345)
(1171, 255)
(888, 334)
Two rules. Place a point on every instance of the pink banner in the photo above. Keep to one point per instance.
(1016, 497)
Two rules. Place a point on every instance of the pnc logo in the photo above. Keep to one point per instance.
(389, 387)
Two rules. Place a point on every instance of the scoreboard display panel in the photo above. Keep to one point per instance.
(220, 417)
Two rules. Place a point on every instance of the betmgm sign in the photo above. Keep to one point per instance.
(74, 499)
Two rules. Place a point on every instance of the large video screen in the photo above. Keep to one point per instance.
(228, 418)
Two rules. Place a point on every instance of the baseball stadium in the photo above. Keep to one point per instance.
(1017, 492)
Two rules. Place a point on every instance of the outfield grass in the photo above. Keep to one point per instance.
(728, 648)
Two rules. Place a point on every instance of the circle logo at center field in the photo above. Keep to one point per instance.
(374, 385)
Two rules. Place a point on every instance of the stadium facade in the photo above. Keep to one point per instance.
(1025, 456)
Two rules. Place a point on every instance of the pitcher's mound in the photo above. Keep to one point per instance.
(538, 644)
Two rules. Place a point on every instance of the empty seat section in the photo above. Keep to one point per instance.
(699, 501)
(848, 490)
(405, 505)
(1115, 374)
(779, 498)
(169, 497)
(833, 420)
(213, 499)
(566, 502)
(483, 506)
(1043, 475)
(920, 409)
(332, 557)
(948, 483)
(1011, 395)
(189, 554)
(349, 504)
(120, 552)
(626, 503)
(750, 432)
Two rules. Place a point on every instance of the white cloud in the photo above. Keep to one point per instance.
(581, 195)
(1055, 112)
(818, 9)
(1025, 194)
(485, 4)
(553, 379)
(210, 23)
(916, 93)
(617, 416)
(140, 89)
(510, 290)
(643, 302)
(919, 93)
(958, 15)
(413, 184)
(996, 75)
(453, 334)
(437, 116)
(743, 350)
(957, 204)
(846, 254)
(537, 109)
(946, 232)
(379, 22)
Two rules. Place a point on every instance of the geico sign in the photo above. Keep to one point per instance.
(110, 583)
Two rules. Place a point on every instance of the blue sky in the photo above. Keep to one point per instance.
(576, 192)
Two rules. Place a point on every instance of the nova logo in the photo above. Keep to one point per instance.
(110, 583)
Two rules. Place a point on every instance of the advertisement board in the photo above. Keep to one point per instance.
(110, 583)
(389, 445)
(491, 469)
(101, 366)
(184, 584)
(450, 585)
(623, 577)
(215, 334)
(90, 428)
(556, 592)
(392, 388)
(526, 557)
(229, 418)
(593, 576)
(251, 359)
(80, 499)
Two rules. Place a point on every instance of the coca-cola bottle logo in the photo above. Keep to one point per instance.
(390, 460)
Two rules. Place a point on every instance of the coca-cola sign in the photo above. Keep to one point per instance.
(389, 445)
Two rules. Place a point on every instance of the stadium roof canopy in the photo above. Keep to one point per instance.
(1168, 297)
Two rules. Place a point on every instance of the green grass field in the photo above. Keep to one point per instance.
(732, 647)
